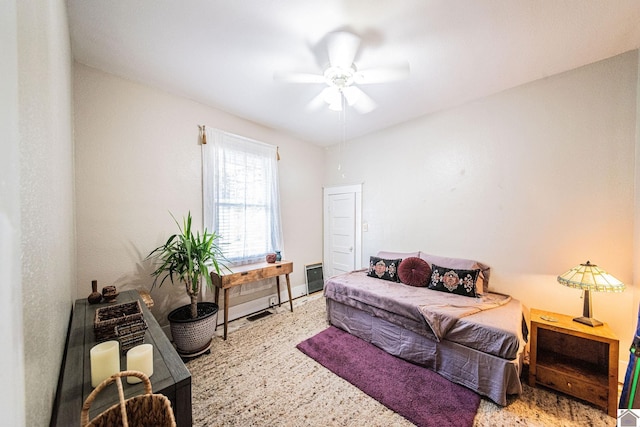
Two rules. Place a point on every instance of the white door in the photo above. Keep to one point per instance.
(342, 229)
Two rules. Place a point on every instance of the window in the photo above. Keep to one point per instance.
(241, 197)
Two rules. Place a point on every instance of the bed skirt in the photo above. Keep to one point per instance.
(483, 373)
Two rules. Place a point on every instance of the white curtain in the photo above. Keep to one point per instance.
(241, 198)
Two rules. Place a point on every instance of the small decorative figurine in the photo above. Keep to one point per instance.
(95, 297)
(109, 293)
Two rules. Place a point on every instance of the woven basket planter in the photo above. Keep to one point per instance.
(193, 336)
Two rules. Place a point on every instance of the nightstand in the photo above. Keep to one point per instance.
(576, 359)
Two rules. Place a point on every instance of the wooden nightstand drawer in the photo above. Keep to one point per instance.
(576, 387)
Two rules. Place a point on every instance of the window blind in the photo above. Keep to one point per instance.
(241, 196)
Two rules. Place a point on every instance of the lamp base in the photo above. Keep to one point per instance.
(589, 321)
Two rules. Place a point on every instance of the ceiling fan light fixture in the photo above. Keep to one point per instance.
(339, 77)
(342, 77)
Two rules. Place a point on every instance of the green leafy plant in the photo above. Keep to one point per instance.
(187, 257)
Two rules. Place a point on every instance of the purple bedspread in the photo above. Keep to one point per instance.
(491, 324)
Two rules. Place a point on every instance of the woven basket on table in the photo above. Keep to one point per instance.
(107, 318)
(144, 410)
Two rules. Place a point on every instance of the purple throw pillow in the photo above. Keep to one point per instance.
(414, 271)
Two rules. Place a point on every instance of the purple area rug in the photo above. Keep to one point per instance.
(418, 394)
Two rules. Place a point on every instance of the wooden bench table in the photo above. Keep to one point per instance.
(170, 375)
(250, 273)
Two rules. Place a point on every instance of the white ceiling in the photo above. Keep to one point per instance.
(224, 53)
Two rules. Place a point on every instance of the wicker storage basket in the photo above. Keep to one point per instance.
(131, 334)
(107, 318)
(143, 410)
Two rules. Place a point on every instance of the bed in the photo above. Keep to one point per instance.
(477, 341)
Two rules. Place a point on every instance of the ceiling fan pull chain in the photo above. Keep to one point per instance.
(343, 139)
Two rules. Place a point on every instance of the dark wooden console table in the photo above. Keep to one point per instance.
(250, 273)
(170, 375)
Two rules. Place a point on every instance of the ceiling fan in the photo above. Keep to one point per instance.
(342, 77)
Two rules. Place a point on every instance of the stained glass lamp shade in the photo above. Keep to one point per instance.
(589, 277)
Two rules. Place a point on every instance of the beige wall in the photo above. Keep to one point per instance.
(11, 398)
(531, 181)
(46, 201)
(138, 157)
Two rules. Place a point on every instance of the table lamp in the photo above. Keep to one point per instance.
(589, 277)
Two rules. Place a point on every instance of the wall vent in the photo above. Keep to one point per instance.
(315, 277)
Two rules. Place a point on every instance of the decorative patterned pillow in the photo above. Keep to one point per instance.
(385, 269)
(414, 271)
(455, 281)
(482, 284)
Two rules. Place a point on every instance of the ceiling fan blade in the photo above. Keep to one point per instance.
(352, 94)
(328, 96)
(342, 47)
(333, 97)
(316, 102)
(382, 74)
(292, 77)
(359, 100)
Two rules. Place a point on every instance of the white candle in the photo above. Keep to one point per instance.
(140, 358)
(105, 361)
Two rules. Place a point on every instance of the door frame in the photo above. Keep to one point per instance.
(356, 189)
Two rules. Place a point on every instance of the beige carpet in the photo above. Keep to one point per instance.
(258, 378)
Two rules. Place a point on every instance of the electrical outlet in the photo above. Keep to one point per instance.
(272, 301)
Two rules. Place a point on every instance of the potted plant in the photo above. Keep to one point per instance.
(187, 257)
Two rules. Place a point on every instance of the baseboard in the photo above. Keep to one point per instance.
(255, 305)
